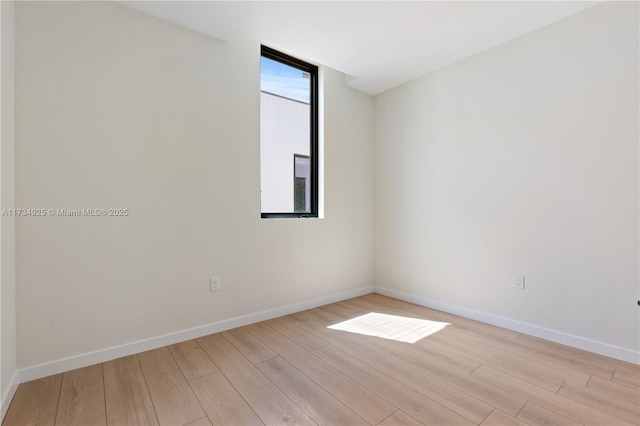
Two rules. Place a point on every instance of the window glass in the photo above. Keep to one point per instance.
(288, 136)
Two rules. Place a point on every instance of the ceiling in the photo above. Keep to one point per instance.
(378, 44)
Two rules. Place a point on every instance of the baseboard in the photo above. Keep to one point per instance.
(7, 396)
(91, 358)
(521, 327)
(86, 359)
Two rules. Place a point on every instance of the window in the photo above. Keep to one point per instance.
(288, 136)
(302, 183)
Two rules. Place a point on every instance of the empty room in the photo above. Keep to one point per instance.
(330, 212)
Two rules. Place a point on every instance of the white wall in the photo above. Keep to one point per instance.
(284, 131)
(7, 201)
(521, 159)
(118, 109)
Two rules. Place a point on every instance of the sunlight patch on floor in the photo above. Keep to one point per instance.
(392, 327)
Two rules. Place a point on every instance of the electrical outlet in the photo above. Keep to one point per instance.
(518, 281)
(215, 283)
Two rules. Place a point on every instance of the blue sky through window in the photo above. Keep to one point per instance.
(284, 80)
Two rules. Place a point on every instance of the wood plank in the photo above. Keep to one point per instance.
(532, 373)
(126, 396)
(35, 402)
(172, 397)
(455, 320)
(268, 402)
(344, 310)
(498, 418)
(358, 398)
(587, 362)
(399, 418)
(407, 399)
(200, 422)
(615, 390)
(222, 403)
(321, 317)
(436, 356)
(249, 346)
(320, 405)
(436, 353)
(625, 378)
(288, 326)
(359, 347)
(602, 402)
(628, 367)
(394, 366)
(500, 348)
(534, 414)
(557, 403)
(192, 360)
(82, 397)
(594, 359)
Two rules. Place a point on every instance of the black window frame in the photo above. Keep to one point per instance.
(312, 70)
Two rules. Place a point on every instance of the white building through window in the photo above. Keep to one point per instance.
(288, 136)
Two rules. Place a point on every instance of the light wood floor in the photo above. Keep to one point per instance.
(295, 370)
